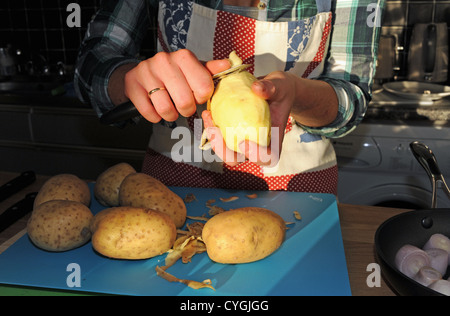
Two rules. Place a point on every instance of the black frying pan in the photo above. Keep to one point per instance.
(414, 228)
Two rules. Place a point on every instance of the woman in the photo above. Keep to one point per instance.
(315, 60)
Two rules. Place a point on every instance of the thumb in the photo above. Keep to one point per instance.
(264, 88)
(216, 66)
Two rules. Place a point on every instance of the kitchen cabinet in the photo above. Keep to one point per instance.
(52, 139)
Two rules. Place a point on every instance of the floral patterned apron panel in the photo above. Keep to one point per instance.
(295, 46)
(298, 46)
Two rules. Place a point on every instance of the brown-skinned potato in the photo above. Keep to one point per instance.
(243, 235)
(60, 225)
(107, 185)
(132, 233)
(142, 190)
(64, 187)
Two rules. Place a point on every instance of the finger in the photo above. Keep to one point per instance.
(138, 82)
(270, 89)
(197, 76)
(139, 97)
(219, 65)
(220, 148)
(261, 155)
(207, 119)
(202, 84)
(163, 105)
(178, 97)
(264, 88)
(218, 144)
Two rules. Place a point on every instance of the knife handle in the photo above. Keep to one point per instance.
(17, 211)
(17, 184)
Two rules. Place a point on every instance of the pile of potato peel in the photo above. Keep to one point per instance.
(184, 248)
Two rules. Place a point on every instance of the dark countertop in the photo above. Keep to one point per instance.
(46, 91)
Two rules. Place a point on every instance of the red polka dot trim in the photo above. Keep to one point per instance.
(235, 32)
(185, 175)
(288, 125)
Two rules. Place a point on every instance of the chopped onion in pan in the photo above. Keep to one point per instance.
(441, 286)
(438, 259)
(438, 241)
(427, 275)
(409, 259)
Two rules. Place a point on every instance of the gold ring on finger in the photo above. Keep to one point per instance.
(155, 90)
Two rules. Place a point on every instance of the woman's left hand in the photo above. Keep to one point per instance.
(278, 89)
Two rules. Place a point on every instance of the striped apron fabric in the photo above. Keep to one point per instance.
(307, 162)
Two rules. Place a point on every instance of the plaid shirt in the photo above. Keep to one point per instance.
(114, 37)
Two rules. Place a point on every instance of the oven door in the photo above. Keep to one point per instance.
(399, 191)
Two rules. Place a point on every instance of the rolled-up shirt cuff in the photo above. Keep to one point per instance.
(351, 109)
(101, 101)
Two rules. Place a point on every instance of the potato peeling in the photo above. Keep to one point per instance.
(198, 218)
(192, 284)
(214, 210)
(195, 229)
(184, 248)
(230, 199)
(297, 216)
(189, 198)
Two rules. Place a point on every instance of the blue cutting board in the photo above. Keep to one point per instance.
(311, 261)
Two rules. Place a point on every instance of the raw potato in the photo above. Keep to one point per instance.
(142, 190)
(243, 235)
(238, 112)
(64, 187)
(106, 189)
(60, 225)
(132, 233)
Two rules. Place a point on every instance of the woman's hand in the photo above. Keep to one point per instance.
(185, 80)
(278, 88)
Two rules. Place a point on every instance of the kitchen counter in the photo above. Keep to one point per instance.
(358, 225)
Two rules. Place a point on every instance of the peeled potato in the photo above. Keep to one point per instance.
(60, 225)
(238, 112)
(142, 190)
(106, 189)
(64, 187)
(132, 233)
(243, 235)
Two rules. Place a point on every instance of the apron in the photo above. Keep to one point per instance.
(307, 162)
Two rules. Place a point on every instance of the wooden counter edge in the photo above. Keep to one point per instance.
(358, 226)
(12, 240)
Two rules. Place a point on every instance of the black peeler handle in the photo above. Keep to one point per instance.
(121, 113)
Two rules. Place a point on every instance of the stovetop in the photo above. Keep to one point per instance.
(388, 106)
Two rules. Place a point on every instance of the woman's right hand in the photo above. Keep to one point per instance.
(186, 82)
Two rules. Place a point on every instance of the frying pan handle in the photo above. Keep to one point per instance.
(427, 159)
